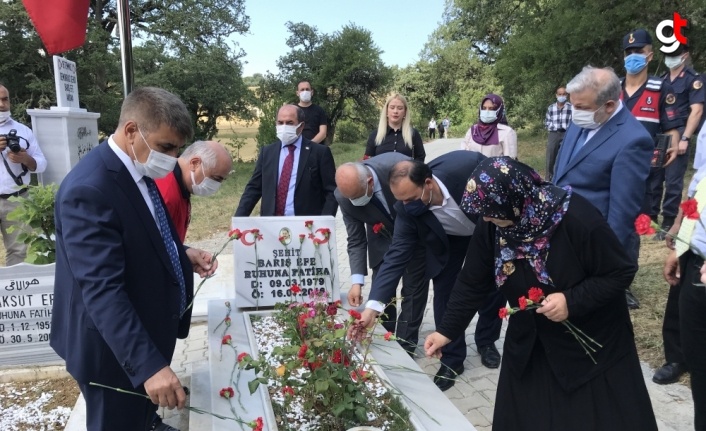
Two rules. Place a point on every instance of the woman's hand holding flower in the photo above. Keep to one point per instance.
(554, 307)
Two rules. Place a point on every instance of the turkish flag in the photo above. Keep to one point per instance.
(60, 23)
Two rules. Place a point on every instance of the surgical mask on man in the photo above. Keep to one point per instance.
(362, 200)
(4, 116)
(305, 96)
(561, 99)
(673, 62)
(158, 165)
(634, 63)
(287, 133)
(418, 207)
(488, 116)
(208, 186)
(585, 119)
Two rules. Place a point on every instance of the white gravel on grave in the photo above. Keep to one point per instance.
(14, 417)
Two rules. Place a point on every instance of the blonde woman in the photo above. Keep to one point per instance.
(490, 135)
(395, 133)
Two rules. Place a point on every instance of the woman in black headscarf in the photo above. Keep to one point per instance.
(532, 234)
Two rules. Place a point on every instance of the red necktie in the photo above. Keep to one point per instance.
(284, 177)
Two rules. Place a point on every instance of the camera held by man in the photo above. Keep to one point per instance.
(13, 141)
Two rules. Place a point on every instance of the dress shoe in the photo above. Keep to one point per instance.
(158, 425)
(633, 303)
(446, 377)
(669, 373)
(489, 356)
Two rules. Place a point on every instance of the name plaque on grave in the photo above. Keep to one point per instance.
(26, 298)
(272, 254)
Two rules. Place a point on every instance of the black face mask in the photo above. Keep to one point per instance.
(418, 207)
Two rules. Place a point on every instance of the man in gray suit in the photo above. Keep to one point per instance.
(364, 196)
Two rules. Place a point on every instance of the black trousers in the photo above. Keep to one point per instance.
(553, 144)
(109, 410)
(692, 306)
(432, 133)
(670, 182)
(415, 289)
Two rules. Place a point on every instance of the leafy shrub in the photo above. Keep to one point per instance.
(36, 211)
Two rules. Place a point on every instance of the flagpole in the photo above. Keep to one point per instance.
(125, 45)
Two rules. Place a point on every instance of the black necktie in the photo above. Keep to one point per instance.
(168, 240)
(375, 201)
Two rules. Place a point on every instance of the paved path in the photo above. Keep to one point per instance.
(474, 392)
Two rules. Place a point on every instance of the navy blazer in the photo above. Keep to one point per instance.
(313, 191)
(610, 170)
(453, 170)
(116, 295)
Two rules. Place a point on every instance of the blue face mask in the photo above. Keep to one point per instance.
(418, 207)
(634, 63)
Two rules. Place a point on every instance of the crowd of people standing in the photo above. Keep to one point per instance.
(483, 227)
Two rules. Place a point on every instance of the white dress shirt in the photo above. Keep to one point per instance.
(7, 184)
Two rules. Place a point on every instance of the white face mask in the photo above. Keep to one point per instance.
(287, 133)
(363, 200)
(305, 96)
(4, 116)
(561, 99)
(208, 186)
(157, 165)
(673, 62)
(585, 119)
(488, 116)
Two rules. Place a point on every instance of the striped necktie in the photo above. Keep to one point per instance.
(686, 230)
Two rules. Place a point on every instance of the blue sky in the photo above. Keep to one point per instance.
(399, 28)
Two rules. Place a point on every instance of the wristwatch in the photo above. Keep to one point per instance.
(685, 138)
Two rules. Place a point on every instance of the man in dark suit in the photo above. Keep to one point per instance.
(307, 186)
(123, 278)
(428, 216)
(606, 155)
(364, 196)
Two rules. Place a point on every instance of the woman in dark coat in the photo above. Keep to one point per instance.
(534, 234)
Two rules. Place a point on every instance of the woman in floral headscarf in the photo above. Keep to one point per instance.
(533, 234)
(491, 135)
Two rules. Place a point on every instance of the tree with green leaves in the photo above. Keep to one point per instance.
(344, 69)
(180, 45)
(536, 46)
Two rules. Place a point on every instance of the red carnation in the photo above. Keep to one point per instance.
(535, 294)
(377, 227)
(690, 208)
(227, 321)
(643, 225)
(302, 351)
(389, 336)
(242, 356)
(355, 314)
(295, 288)
(227, 393)
(257, 424)
(332, 310)
(235, 234)
(523, 302)
(502, 313)
(227, 340)
(309, 224)
(288, 391)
